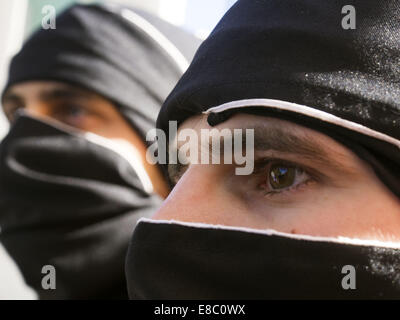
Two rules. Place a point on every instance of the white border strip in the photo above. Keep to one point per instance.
(308, 111)
(131, 155)
(128, 155)
(152, 32)
(158, 37)
(271, 232)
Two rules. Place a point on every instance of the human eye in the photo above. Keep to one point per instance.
(72, 114)
(283, 178)
(71, 110)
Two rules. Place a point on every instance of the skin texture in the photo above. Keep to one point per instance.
(335, 193)
(83, 110)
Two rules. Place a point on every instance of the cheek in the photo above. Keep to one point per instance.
(361, 210)
(375, 213)
(205, 201)
(365, 212)
(102, 127)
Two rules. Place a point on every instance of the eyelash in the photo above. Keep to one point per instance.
(263, 166)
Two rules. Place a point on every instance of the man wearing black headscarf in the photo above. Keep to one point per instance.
(73, 172)
(319, 216)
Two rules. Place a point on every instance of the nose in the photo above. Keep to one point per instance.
(199, 196)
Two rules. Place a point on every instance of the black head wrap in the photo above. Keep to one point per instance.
(294, 60)
(127, 56)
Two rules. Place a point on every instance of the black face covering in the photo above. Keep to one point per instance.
(70, 203)
(183, 261)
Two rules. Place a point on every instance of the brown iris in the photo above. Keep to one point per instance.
(281, 176)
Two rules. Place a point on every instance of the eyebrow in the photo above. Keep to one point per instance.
(279, 140)
(61, 92)
(282, 140)
(301, 144)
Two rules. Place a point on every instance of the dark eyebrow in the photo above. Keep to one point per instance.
(300, 143)
(64, 93)
(281, 140)
(61, 92)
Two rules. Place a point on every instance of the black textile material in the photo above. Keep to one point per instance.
(96, 48)
(228, 264)
(297, 51)
(69, 203)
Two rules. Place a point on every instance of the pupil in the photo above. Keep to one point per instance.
(281, 176)
(75, 111)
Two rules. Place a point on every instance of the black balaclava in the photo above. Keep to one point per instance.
(130, 57)
(71, 199)
(292, 60)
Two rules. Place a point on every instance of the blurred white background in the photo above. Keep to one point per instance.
(18, 18)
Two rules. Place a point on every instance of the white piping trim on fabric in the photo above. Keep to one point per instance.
(158, 37)
(128, 155)
(133, 161)
(308, 111)
(271, 232)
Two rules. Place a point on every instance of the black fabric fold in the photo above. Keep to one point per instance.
(69, 203)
